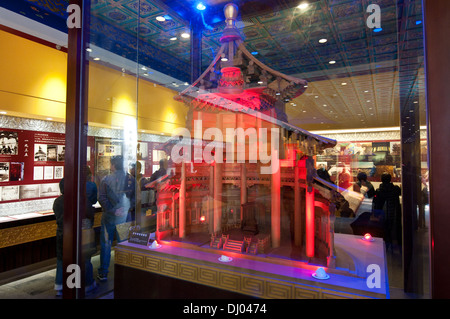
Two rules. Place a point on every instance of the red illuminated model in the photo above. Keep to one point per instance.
(228, 202)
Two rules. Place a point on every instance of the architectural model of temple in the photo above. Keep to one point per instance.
(256, 196)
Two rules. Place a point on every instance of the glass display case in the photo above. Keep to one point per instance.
(244, 150)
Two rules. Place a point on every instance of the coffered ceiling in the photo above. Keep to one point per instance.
(373, 74)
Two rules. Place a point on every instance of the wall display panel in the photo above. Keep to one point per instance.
(31, 164)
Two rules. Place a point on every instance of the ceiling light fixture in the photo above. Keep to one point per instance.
(96, 59)
(173, 38)
(332, 62)
(201, 6)
(323, 40)
(303, 5)
(160, 19)
(89, 50)
(2, 112)
(343, 83)
(185, 35)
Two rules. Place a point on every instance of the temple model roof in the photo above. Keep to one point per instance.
(237, 81)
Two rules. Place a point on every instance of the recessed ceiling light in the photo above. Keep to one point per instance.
(344, 83)
(89, 50)
(160, 18)
(368, 101)
(316, 96)
(96, 59)
(324, 105)
(2, 112)
(144, 68)
(415, 102)
(332, 62)
(49, 118)
(201, 6)
(260, 82)
(224, 59)
(173, 38)
(323, 40)
(303, 5)
(305, 86)
(366, 91)
(185, 35)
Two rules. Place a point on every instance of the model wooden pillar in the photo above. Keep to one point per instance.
(211, 200)
(182, 199)
(297, 207)
(217, 197)
(276, 201)
(309, 204)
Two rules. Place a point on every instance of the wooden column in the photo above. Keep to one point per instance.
(218, 182)
(217, 197)
(309, 203)
(182, 199)
(76, 147)
(275, 201)
(211, 200)
(297, 207)
(437, 48)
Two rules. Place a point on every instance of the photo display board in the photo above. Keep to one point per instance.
(31, 164)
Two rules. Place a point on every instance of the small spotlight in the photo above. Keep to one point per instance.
(368, 237)
(160, 18)
(173, 38)
(201, 6)
(323, 40)
(332, 62)
(202, 219)
(185, 35)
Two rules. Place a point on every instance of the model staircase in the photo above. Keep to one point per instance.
(234, 245)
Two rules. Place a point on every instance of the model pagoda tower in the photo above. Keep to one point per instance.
(231, 202)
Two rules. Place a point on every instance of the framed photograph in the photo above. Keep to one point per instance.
(9, 143)
(48, 172)
(59, 172)
(38, 173)
(49, 190)
(52, 153)
(10, 193)
(40, 152)
(16, 171)
(4, 171)
(61, 152)
(29, 191)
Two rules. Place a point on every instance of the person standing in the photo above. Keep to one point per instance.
(87, 224)
(117, 198)
(387, 199)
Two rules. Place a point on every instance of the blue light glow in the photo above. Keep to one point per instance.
(201, 6)
(254, 53)
(377, 29)
(418, 22)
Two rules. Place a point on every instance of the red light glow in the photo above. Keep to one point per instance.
(368, 237)
(202, 219)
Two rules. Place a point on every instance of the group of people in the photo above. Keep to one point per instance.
(117, 196)
(385, 203)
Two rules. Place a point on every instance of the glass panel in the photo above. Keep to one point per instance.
(267, 162)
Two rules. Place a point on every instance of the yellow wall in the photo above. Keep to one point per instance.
(33, 84)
